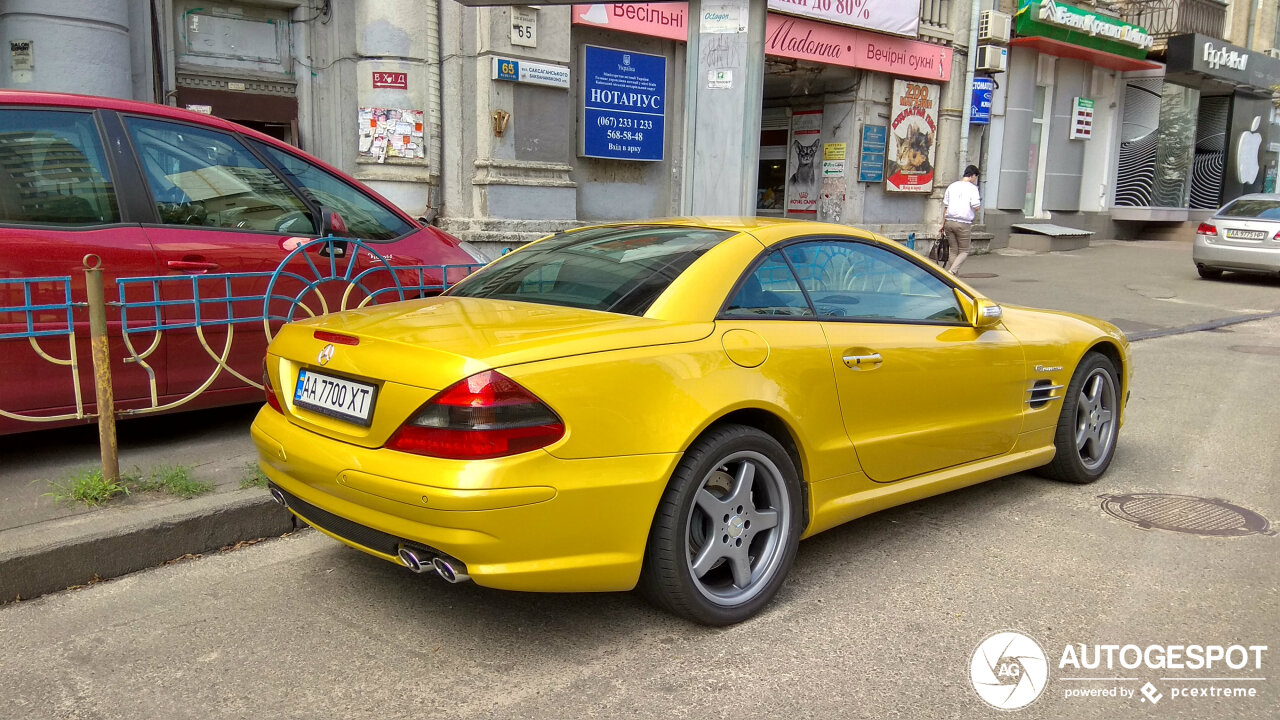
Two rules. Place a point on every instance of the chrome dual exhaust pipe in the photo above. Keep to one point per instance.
(451, 570)
(420, 561)
(278, 496)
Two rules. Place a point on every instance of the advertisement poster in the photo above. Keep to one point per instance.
(888, 16)
(803, 163)
(391, 133)
(624, 104)
(913, 137)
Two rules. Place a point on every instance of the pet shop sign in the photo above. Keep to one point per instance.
(913, 132)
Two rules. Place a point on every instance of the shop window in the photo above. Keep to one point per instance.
(52, 170)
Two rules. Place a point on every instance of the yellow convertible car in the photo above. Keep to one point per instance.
(673, 404)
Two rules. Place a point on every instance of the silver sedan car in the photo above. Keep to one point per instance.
(1243, 236)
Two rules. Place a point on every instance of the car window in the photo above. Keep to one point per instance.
(366, 218)
(207, 178)
(861, 281)
(1252, 208)
(770, 290)
(615, 269)
(53, 170)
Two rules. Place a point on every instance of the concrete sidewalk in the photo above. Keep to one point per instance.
(1146, 288)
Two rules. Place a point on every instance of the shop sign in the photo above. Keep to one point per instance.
(624, 104)
(801, 39)
(721, 19)
(1070, 24)
(393, 80)
(664, 20)
(1201, 55)
(871, 164)
(802, 162)
(913, 135)
(1081, 119)
(523, 71)
(888, 16)
(980, 103)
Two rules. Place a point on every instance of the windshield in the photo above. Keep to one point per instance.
(616, 269)
(1252, 208)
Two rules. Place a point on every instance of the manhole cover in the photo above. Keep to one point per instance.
(979, 275)
(1257, 349)
(1185, 514)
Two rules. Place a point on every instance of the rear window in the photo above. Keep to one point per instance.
(1252, 209)
(618, 269)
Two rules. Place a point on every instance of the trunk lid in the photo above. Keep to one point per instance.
(409, 351)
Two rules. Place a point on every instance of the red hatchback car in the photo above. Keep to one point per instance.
(163, 193)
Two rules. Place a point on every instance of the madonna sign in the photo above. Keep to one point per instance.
(913, 133)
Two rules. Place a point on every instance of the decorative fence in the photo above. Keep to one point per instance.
(221, 311)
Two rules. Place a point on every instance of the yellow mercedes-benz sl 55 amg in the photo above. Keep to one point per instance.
(673, 405)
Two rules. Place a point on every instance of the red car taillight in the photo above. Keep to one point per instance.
(1206, 229)
(487, 415)
(272, 400)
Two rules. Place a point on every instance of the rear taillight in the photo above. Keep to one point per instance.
(487, 415)
(1207, 229)
(272, 399)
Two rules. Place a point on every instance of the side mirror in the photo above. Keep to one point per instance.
(986, 313)
(332, 224)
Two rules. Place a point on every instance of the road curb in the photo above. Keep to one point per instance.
(55, 556)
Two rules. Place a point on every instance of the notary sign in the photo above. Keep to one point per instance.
(624, 104)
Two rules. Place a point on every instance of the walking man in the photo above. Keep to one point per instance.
(960, 200)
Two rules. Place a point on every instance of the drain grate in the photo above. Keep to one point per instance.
(1185, 514)
(1257, 349)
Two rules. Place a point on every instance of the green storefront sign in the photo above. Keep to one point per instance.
(1077, 26)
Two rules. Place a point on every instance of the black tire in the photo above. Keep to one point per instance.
(1208, 273)
(1088, 427)
(730, 550)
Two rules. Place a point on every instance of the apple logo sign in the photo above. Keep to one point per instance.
(1247, 153)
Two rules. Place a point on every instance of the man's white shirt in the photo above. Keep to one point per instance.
(961, 199)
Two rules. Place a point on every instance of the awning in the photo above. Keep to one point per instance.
(1097, 57)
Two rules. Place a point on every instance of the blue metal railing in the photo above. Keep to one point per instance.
(58, 324)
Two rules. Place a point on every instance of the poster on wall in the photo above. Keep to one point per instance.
(803, 172)
(913, 137)
(391, 133)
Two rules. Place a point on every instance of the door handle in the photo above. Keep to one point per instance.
(192, 265)
(857, 361)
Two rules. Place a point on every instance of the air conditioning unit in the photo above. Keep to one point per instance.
(994, 26)
(1274, 52)
(993, 58)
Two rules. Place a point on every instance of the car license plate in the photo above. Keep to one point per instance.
(336, 397)
(1246, 235)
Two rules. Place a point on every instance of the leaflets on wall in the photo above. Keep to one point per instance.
(913, 137)
(802, 162)
(391, 133)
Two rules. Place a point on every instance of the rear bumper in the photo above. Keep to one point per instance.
(530, 522)
(1265, 258)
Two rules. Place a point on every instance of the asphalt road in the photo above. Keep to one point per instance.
(879, 619)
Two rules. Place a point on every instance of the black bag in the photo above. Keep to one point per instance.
(940, 252)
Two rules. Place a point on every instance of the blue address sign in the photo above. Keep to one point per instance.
(624, 104)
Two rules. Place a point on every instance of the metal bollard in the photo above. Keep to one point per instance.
(104, 394)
